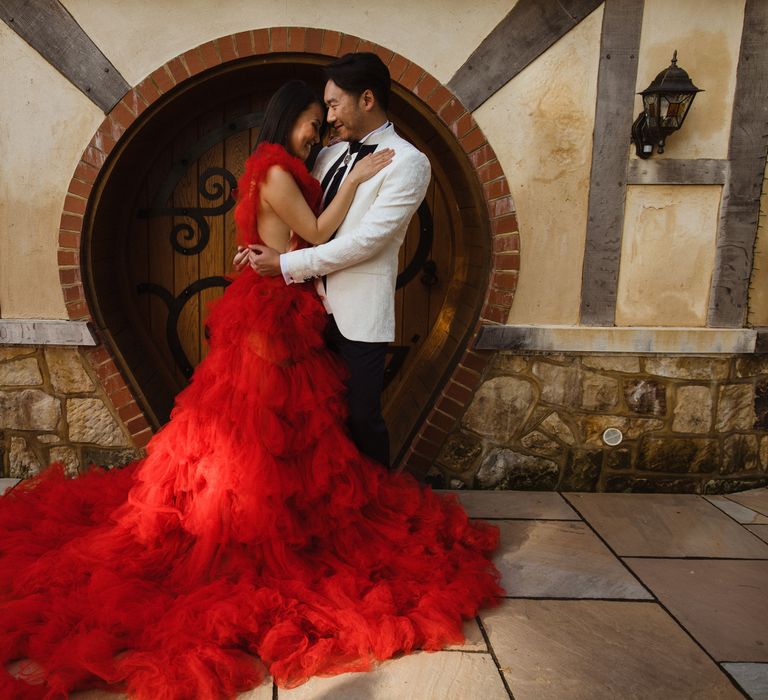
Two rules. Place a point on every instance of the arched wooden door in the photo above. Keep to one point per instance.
(183, 238)
(163, 238)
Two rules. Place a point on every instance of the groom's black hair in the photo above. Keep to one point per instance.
(284, 108)
(357, 72)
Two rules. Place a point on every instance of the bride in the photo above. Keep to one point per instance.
(253, 539)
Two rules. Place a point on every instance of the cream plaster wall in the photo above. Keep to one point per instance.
(45, 124)
(140, 35)
(758, 289)
(707, 36)
(667, 255)
(540, 124)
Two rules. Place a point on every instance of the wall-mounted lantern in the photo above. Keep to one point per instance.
(666, 102)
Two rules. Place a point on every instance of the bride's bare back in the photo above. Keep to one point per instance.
(272, 229)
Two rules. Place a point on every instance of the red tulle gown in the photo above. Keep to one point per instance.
(253, 539)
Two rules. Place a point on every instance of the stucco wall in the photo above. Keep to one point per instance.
(439, 37)
(541, 125)
(667, 255)
(707, 35)
(44, 127)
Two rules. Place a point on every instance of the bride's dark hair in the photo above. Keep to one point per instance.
(283, 109)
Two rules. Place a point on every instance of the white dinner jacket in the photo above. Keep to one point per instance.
(361, 260)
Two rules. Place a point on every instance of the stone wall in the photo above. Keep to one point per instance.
(689, 424)
(53, 409)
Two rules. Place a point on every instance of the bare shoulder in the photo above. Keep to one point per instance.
(278, 178)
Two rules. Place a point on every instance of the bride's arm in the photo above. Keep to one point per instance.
(282, 193)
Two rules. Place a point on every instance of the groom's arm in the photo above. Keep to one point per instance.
(396, 202)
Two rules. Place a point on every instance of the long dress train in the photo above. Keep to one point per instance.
(253, 538)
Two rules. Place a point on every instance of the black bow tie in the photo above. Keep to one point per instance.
(355, 146)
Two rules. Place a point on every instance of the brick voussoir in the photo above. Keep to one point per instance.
(398, 66)
(313, 40)
(242, 43)
(261, 41)
(148, 91)
(177, 70)
(278, 38)
(348, 44)
(209, 54)
(193, 61)
(426, 86)
(331, 42)
(226, 47)
(296, 39)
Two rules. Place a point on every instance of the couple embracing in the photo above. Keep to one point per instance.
(376, 181)
(260, 535)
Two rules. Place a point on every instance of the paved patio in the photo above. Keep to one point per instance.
(609, 596)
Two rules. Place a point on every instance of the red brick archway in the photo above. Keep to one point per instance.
(465, 378)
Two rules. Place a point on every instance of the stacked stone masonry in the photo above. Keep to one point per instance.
(54, 409)
(689, 424)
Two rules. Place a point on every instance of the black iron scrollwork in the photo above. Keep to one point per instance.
(175, 306)
(184, 230)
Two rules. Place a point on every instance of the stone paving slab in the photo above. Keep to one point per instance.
(753, 679)
(474, 640)
(665, 525)
(756, 499)
(760, 530)
(531, 505)
(541, 559)
(587, 650)
(738, 512)
(722, 603)
(6, 484)
(444, 675)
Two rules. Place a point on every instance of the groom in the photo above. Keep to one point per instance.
(358, 266)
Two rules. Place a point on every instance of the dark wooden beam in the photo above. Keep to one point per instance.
(697, 171)
(49, 29)
(746, 152)
(530, 28)
(761, 342)
(616, 79)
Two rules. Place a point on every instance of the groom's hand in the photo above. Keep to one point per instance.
(264, 261)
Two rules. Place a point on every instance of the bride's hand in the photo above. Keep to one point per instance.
(241, 258)
(366, 168)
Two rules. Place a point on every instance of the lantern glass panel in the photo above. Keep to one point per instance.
(651, 109)
(676, 110)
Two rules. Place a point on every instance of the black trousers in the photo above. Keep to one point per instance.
(366, 363)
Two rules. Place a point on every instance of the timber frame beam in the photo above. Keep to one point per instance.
(47, 27)
(729, 294)
(616, 79)
(528, 30)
